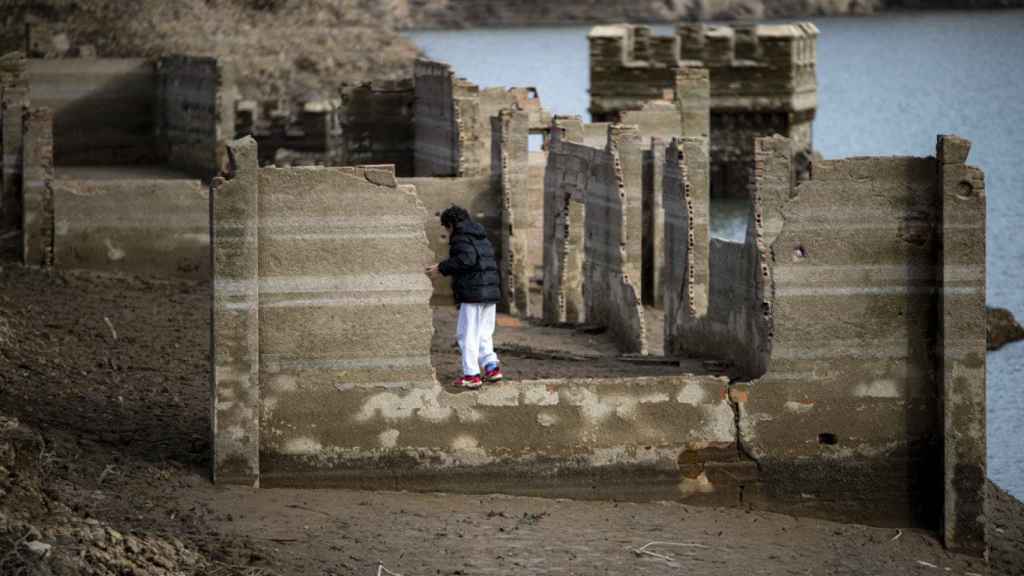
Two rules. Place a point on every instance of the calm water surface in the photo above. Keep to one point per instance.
(887, 86)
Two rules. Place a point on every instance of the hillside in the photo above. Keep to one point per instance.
(277, 46)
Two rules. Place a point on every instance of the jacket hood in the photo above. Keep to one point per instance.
(470, 228)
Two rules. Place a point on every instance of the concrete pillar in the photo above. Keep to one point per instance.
(510, 166)
(626, 143)
(37, 188)
(234, 218)
(15, 98)
(572, 279)
(961, 345)
(693, 98)
(687, 240)
(565, 184)
(611, 291)
(654, 224)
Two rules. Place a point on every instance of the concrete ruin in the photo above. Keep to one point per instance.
(109, 176)
(849, 320)
(808, 343)
(763, 82)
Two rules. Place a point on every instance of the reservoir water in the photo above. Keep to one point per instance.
(886, 86)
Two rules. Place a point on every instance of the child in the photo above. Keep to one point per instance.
(477, 288)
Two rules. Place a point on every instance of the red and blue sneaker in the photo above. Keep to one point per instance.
(469, 382)
(492, 373)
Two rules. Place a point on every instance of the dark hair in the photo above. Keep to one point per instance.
(453, 215)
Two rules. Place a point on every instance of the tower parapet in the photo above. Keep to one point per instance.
(763, 82)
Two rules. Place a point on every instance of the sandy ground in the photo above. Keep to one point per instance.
(109, 380)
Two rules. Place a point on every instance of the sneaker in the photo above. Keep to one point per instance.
(469, 382)
(492, 373)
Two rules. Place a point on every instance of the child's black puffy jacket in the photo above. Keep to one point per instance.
(472, 265)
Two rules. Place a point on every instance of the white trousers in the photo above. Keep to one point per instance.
(476, 337)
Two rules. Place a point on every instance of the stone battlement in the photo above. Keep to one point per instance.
(753, 67)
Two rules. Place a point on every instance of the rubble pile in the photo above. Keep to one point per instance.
(40, 535)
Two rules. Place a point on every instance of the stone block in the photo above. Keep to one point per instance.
(148, 226)
(962, 347)
(105, 109)
(952, 149)
(37, 243)
(566, 181)
(510, 163)
(234, 340)
(196, 100)
(12, 106)
(612, 294)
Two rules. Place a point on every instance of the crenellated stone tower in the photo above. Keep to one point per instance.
(763, 82)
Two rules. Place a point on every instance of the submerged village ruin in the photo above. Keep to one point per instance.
(840, 345)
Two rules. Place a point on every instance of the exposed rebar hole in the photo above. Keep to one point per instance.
(827, 438)
(799, 253)
(964, 190)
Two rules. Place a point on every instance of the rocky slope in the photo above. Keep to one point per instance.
(278, 47)
(474, 13)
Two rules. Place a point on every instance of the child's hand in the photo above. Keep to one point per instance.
(432, 271)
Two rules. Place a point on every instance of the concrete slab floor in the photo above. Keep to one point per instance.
(532, 351)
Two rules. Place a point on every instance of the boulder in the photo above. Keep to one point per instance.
(1003, 328)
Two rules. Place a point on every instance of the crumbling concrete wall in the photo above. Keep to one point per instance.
(831, 312)
(713, 309)
(687, 244)
(961, 347)
(855, 296)
(304, 132)
(653, 248)
(762, 82)
(453, 120)
(341, 255)
(138, 225)
(537, 161)
(37, 189)
(313, 269)
(478, 195)
(446, 113)
(104, 110)
(567, 177)
(573, 171)
(612, 262)
(234, 326)
(13, 99)
(196, 107)
(510, 163)
(377, 120)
